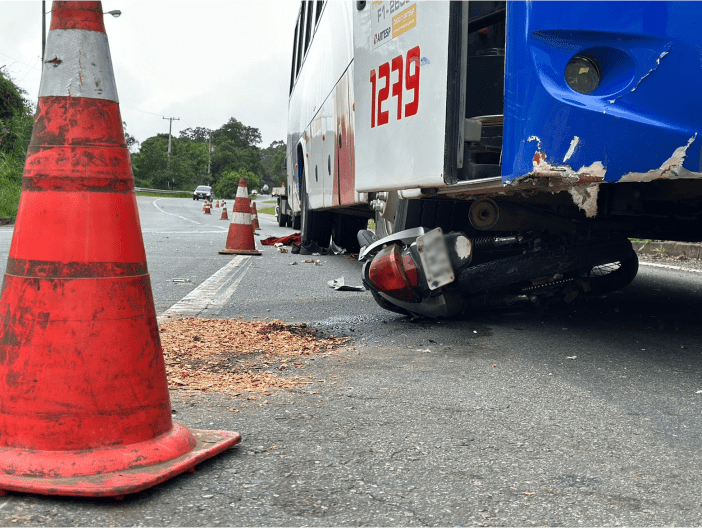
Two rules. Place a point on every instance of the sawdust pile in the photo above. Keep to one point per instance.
(235, 356)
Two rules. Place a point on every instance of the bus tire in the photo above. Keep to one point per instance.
(345, 229)
(519, 268)
(315, 226)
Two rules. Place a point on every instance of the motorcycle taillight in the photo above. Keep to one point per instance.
(394, 274)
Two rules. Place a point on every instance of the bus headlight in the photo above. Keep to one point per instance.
(582, 74)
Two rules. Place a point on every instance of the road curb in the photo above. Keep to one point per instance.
(687, 250)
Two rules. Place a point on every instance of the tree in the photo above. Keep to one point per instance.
(239, 134)
(16, 123)
(233, 150)
(197, 134)
(188, 165)
(273, 163)
(228, 183)
(151, 162)
(16, 119)
(228, 157)
(131, 141)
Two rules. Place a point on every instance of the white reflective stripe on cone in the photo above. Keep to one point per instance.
(78, 64)
(242, 192)
(241, 218)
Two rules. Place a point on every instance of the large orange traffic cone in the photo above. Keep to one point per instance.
(84, 404)
(254, 217)
(240, 238)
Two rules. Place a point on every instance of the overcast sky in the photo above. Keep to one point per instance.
(203, 62)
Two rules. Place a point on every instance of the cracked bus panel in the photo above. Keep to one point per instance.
(589, 98)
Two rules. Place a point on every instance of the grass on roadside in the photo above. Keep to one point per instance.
(184, 194)
(268, 210)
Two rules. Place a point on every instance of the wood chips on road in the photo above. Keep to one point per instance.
(236, 356)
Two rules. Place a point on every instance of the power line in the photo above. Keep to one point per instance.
(139, 109)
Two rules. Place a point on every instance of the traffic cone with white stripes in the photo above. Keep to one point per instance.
(85, 409)
(224, 216)
(254, 217)
(240, 238)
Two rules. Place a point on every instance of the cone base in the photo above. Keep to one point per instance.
(239, 252)
(116, 483)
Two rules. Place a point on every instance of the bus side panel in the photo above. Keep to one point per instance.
(344, 184)
(400, 70)
(642, 122)
(328, 57)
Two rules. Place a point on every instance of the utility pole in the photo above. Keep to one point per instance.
(209, 152)
(43, 32)
(170, 126)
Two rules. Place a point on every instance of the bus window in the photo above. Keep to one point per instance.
(308, 24)
(301, 23)
(292, 68)
(318, 11)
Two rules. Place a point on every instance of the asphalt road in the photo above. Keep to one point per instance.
(584, 415)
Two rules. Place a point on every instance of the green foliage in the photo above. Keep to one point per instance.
(188, 163)
(13, 100)
(234, 150)
(10, 184)
(16, 119)
(227, 157)
(16, 122)
(228, 183)
(131, 141)
(273, 163)
(240, 135)
(198, 134)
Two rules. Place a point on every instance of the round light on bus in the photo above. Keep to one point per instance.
(582, 74)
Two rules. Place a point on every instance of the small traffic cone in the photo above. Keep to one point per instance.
(224, 216)
(208, 208)
(254, 217)
(217, 204)
(84, 403)
(240, 238)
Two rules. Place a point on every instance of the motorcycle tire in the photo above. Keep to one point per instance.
(548, 262)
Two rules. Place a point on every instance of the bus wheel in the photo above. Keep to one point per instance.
(345, 229)
(315, 226)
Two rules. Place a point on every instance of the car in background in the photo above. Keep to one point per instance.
(203, 191)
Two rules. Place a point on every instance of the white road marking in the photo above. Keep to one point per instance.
(212, 294)
(668, 266)
(173, 214)
(221, 228)
(150, 232)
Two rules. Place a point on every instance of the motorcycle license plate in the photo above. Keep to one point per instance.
(435, 259)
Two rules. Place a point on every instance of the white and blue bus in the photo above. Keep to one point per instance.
(555, 125)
